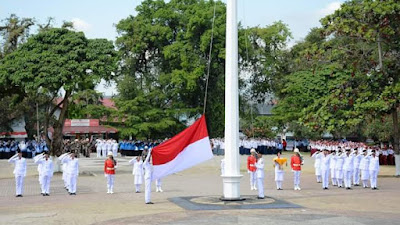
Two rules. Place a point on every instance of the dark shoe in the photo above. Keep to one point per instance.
(73, 193)
(356, 185)
(47, 194)
(43, 194)
(260, 197)
(149, 203)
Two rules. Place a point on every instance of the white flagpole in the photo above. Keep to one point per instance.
(231, 178)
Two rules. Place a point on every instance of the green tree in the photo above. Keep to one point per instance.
(165, 51)
(58, 60)
(377, 87)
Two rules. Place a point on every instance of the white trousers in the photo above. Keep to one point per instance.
(158, 183)
(339, 177)
(373, 175)
(115, 152)
(348, 175)
(260, 187)
(333, 177)
(137, 187)
(65, 179)
(110, 181)
(46, 184)
(364, 174)
(296, 178)
(104, 153)
(356, 176)
(19, 184)
(325, 178)
(98, 151)
(253, 178)
(72, 183)
(147, 190)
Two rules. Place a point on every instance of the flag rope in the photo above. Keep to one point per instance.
(209, 59)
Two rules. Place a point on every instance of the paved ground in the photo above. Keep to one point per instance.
(92, 205)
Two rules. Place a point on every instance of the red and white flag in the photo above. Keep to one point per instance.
(187, 149)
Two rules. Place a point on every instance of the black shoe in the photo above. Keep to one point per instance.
(43, 194)
(149, 203)
(47, 194)
(18, 196)
(260, 197)
(73, 193)
(356, 185)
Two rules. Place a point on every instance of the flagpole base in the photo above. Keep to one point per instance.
(231, 188)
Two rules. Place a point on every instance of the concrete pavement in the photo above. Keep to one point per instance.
(92, 205)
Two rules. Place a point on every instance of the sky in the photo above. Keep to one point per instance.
(96, 18)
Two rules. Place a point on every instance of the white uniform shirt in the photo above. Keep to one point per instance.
(348, 163)
(137, 167)
(47, 167)
(260, 168)
(19, 166)
(324, 160)
(364, 163)
(339, 162)
(374, 163)
(72, 165)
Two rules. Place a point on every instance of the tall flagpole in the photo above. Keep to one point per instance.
(231, 177)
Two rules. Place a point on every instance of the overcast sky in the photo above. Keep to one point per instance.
(97, 17)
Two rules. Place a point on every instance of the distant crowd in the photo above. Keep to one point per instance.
(28, 148)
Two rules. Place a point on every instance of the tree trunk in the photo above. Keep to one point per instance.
(396, 138)
(57, 142)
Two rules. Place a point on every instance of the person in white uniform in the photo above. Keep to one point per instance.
(64, 170)
(260, 176)
(148, 173)
(99, 147)
(332, 168)
(356, 167)
(109, 146)
(324, 158)
(103, 148)
(115, 148)
(279, 172)
(39, 168)
(19, 172)
(364, 169)
(47, 170)
(317, 166)
(373, 169)
(73, 171)
(339, 168)
(137, 171)
(348, 169)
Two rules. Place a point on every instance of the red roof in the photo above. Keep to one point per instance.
(87, 130)
(106, 101)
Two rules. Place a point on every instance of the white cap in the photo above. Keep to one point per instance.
(252, 150)
(110, 154)
(296, 150)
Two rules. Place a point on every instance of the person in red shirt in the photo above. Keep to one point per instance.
(251, 168)
(284, 144)
(296, 162)
(109, 172)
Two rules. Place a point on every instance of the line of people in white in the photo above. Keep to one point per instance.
(346, 168)
(104, 146)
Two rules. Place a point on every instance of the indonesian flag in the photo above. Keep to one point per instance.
(187, 149)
